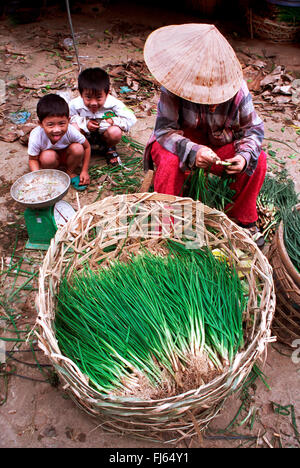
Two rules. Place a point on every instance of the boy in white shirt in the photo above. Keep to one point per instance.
(55, 143)
(99, 115)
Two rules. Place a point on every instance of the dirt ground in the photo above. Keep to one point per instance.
(34, 60)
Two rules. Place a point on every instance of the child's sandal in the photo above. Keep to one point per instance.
(112, 157)
(75, 182)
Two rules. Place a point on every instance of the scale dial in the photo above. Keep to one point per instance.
(62, 212)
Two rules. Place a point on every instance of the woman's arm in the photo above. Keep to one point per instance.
(250, 133)
(169, 133)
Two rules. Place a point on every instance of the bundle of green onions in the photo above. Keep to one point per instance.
(291, 223)
(289, 14)
(154, 322)
(276, 197)
(212, 190)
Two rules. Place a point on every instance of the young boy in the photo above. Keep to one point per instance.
(99, 115)
(54, 142)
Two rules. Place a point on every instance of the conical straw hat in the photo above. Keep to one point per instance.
(195, 62)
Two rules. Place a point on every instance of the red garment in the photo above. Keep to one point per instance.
(169, 180)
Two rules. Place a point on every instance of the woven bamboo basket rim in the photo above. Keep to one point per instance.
(188, 411)
(284, 255)
(286, 323)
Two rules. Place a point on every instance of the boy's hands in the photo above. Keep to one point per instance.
(92, 125)
(84, 178)
(84, 175)
(34, 164)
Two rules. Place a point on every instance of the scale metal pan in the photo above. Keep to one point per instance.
(40, 189)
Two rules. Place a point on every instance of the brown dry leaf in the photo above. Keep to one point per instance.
(10, 50)
(259, 64)
(286, 90)
(34, 84)
(147, 107)
(8, 137)
(116, 71)
(24, 132)
(65, 72)
(131, 75)
(255, 85)
(137, 42)
(270, 80)
(282, 100)
(135, 85)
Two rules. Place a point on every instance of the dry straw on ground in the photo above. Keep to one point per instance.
(124, 222)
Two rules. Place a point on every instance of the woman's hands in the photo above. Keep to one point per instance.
(205, 157)
(238, 164)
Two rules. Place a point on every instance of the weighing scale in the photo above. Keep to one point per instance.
(41, 192)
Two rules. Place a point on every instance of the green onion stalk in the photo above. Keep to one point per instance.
(214, 191)
(124, 178)
(276, 196)
(291, 235)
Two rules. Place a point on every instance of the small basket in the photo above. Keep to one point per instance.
(286, 323)
(272, 30)
(126, 222)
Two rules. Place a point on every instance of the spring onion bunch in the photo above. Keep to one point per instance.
(291, 223)
(151, 317)
(289, 14)
(279, 189)
(276, 196)
(212, 190)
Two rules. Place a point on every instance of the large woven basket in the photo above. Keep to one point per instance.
(124, 221)
(263, 27)
(286, 323)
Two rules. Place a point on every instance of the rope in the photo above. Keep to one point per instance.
(73, 36)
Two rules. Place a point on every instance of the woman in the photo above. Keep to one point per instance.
(205, 116)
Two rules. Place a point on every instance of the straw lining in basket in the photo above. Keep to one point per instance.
(83, 239)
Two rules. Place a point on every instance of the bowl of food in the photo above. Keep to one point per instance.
(40, 189)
